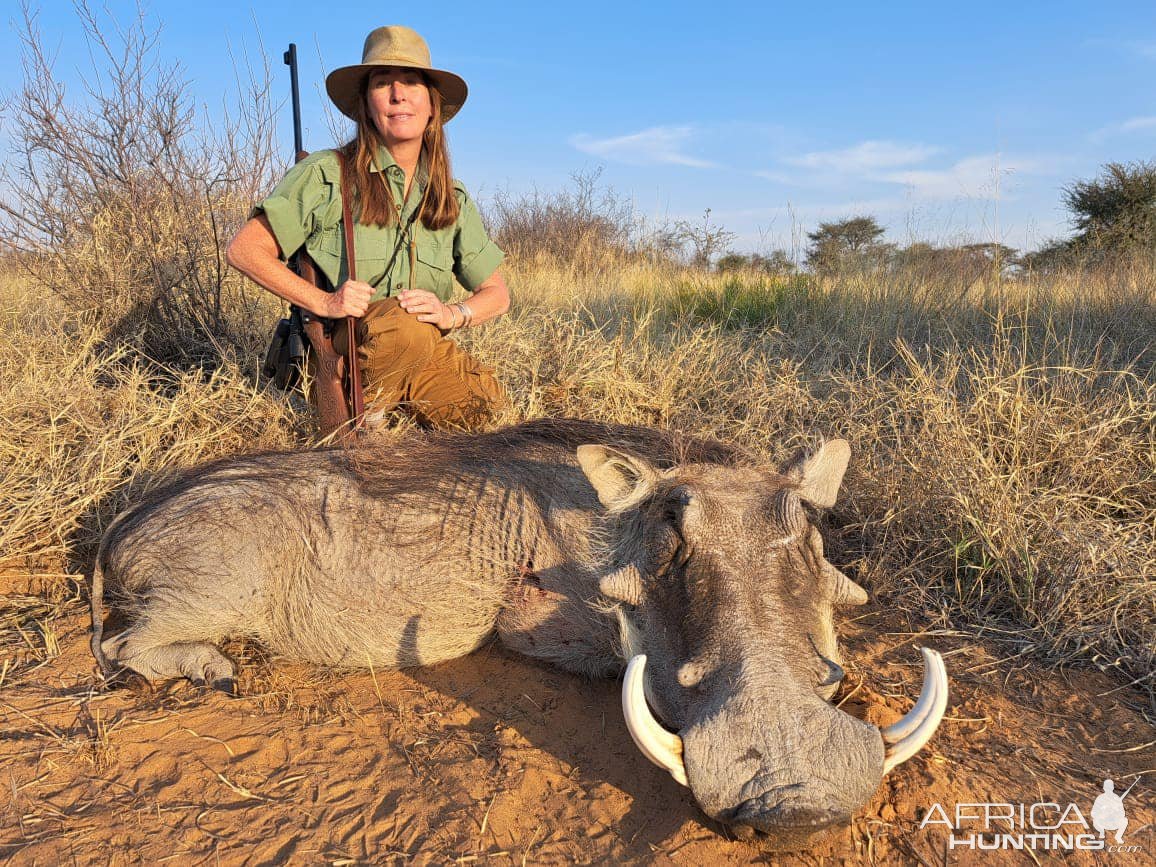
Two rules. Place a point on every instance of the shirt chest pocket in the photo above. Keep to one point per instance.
(435, 262)
(368, 248)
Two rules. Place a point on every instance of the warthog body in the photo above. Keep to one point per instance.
(578, 543)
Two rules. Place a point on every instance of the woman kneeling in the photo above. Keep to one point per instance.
(416, 229)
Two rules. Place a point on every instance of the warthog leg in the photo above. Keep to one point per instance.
(199, 661)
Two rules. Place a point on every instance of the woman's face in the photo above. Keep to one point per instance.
(399, 104)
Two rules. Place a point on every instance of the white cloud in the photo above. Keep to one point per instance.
(806, 212)
(985, 176)
(1132, 124)
(1135, 123)
(1145, 48)
(864, 157)
(807, 180)
(778, 177)
(659, 145)
(981, 177)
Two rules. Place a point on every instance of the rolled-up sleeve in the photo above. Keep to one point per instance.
(476, 257)
(293, 206)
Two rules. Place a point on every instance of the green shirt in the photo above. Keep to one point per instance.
(305, 210)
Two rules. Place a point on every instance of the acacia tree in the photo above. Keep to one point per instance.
(1115, 212)
(836, 244)
(777, 262)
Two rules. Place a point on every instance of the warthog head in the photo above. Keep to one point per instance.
(727, 615)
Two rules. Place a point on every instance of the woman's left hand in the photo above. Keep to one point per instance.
(427, 307)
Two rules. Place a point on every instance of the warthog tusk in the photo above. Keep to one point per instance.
(847, 592)
(907, 737)
(657, 744)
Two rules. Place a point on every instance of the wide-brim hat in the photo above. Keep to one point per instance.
(393, 46)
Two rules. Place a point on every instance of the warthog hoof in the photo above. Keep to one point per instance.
(227, 685)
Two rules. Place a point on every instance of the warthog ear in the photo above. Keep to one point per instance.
(820, 473)
(619, 479)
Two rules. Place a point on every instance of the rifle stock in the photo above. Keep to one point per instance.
(329, 370)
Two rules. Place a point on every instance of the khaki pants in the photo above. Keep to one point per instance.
(409, 365)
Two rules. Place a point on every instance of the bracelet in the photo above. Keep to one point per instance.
(454, 318)
(467, 314)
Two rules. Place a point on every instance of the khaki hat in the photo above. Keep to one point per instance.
(393, 46)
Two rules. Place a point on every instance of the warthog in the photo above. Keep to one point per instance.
(592, 546)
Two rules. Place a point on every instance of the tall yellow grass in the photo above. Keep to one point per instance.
(1003, 477)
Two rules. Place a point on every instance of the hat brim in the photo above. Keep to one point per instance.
(344, 87)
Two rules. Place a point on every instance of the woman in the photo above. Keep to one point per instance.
(416, 230)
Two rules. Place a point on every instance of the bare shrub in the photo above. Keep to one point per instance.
(703, 241)
(582, 225)
(125, 196)
(585, 228)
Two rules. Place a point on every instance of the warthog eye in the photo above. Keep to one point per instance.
(674, 507)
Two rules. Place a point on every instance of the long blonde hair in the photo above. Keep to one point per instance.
(372, 201)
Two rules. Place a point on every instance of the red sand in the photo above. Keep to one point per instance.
(498, 759)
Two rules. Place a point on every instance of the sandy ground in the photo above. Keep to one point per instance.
(497, 759)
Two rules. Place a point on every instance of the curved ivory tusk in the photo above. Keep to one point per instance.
(907, 737)
(657, 744)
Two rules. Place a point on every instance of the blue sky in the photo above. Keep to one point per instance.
(947, 122)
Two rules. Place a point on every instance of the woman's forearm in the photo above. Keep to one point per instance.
(254, 252)
(490, 300)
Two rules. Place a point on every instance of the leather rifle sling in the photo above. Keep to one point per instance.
(356, 398)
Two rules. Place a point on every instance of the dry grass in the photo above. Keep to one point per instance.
(1001, 484)
(1003, 471)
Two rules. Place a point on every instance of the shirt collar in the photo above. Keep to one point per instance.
(383, 162)
(383, 159)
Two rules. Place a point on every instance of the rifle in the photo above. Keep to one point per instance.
(328, 374)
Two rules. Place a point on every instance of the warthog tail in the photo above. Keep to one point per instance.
(96, 601)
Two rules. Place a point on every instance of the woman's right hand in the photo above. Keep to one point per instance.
(350, 299)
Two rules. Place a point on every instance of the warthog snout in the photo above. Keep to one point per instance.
(791, 826)
(792, 776)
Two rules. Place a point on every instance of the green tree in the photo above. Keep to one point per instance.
(777, 262)
(732, 261)
(1115, 212)
(835, 245)
(1052, 256)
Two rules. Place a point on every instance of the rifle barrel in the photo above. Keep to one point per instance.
(290, 58)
